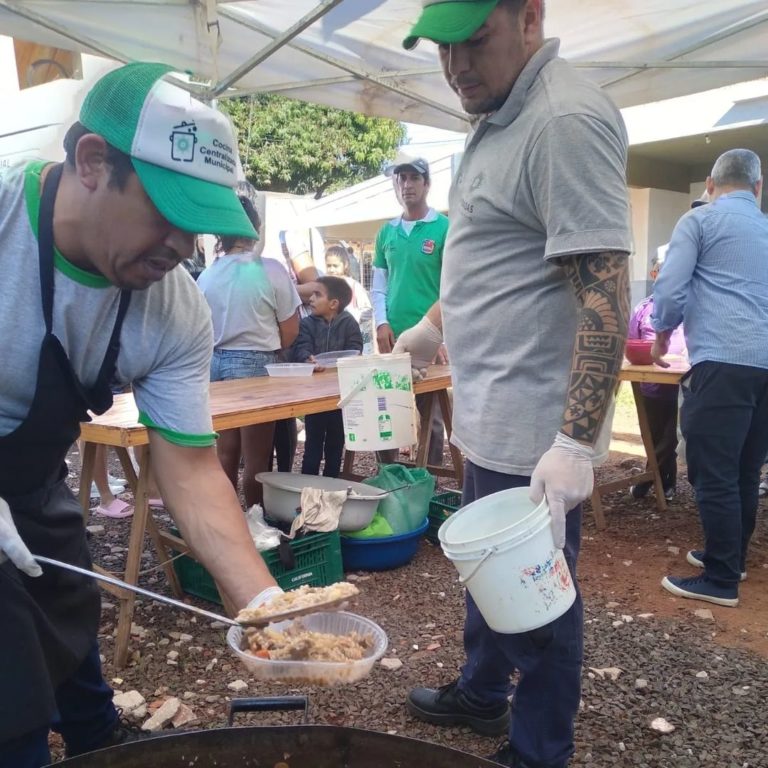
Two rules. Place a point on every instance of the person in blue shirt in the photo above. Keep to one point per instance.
(716, 278)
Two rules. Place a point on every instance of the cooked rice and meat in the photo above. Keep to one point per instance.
(305, 597)
(296, 643)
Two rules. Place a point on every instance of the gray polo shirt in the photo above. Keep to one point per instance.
(542, 179)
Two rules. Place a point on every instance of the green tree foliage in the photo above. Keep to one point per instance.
(291, 146)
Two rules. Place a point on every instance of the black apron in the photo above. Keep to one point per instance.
(47, 624)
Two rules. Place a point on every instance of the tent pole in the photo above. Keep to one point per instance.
(664, 64)
(405, 73)
(81, 40)
(278, 42)
(340, 80)
(356, 72)
(733, 29)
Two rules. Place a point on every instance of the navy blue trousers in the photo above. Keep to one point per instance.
(724, 419)
(86, 718)
(324, 438)
(547, 695)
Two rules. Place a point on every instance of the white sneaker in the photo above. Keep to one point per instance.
(113, 489)
(696, 557)
(112, 480)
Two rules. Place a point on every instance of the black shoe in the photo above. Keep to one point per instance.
(447, 705)
(123, 732)
(505, 755)
(639, 491)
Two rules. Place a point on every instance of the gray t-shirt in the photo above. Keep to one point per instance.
(541, 179)
(248, 296)
(165, 344)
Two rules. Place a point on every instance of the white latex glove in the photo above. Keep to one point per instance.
(12, 547)
(423, 342)
(264, 596)
(564, 475)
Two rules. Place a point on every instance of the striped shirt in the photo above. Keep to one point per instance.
(715, 278)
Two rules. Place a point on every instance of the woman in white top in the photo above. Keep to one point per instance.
(254, 307)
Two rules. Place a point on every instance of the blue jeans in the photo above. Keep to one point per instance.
(240, 363)
(724, 419)
(549, 659)
(86, 718)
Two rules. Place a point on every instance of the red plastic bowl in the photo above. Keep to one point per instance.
(638, 351)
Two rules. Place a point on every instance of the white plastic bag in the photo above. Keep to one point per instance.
(264, 536)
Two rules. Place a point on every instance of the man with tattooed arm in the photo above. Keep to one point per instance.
(534, 306)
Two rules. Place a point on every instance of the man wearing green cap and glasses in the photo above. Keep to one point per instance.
(90, 294)
(534, 304)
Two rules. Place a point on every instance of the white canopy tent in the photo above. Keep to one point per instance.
(346, 53)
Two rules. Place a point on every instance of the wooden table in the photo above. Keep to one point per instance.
(236, 403)
(637, 375)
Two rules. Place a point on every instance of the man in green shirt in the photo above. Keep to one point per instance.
(406, 270)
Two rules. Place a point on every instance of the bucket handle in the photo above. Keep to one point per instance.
(486, 555)
(360, 384)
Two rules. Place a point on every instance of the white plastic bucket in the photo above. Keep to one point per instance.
(377, 402)
(477, 531)
(505, 554)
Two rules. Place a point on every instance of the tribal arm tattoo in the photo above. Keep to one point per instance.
(601, 284)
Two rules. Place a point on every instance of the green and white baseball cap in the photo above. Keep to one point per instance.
(184, 152)
(449, 21)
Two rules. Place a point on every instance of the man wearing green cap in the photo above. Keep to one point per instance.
(534, 305)
(91, 294)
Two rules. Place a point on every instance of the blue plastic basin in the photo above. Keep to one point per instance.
(380, 554)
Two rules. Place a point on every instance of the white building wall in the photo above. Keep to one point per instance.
(654, 215)
(665, 210)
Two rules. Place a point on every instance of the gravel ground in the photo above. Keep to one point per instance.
(707, 676)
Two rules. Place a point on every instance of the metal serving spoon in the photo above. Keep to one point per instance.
(138, 590)
(256, 622)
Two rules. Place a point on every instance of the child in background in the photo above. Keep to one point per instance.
(330, 328)
(660, 399)
(337, 265)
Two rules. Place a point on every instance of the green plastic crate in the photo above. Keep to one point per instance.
(441, 507)
(318, 563)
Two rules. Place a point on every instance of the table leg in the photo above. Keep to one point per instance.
(128, 468)
(447, 410)
(132, 562)
(349, 462)
(164, 556)
(425, 432)
(87, 460)
(645, 433)
(597, 508)
(163, 553)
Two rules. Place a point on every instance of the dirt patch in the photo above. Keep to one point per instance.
(656, 544)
